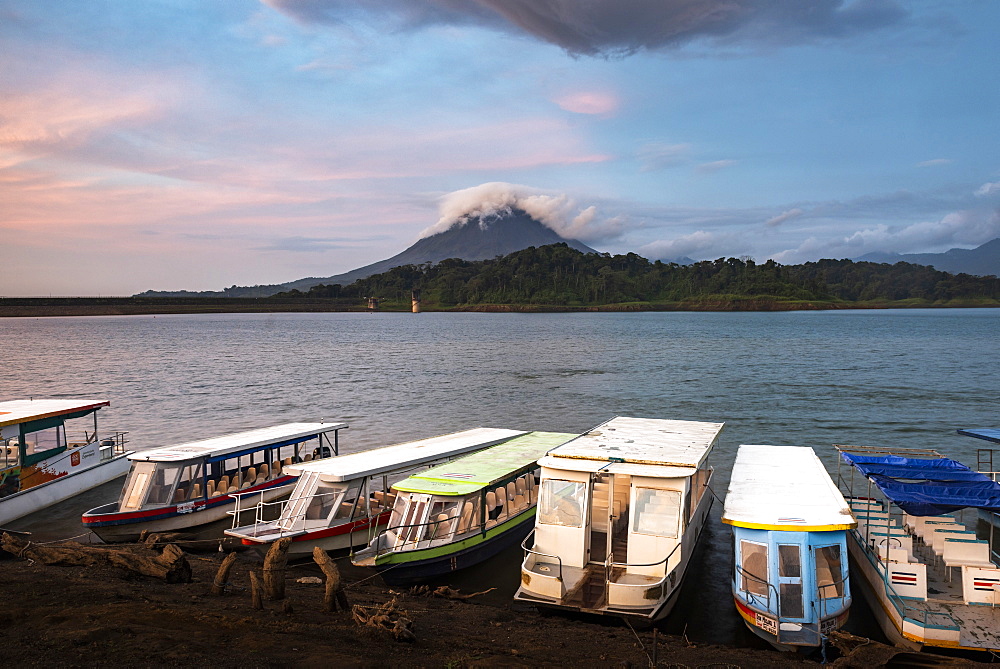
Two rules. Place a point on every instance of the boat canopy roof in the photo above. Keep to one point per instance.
(13, 412)
(484, 468)
(927, 486)
(784, 488)
(987, 433)
(639, 441)
(402, 456)
(233, 444)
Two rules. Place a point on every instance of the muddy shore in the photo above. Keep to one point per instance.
(102, 615)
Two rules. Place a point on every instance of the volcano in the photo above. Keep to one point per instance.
(475, 239)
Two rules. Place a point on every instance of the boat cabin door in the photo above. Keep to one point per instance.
(790, 582)
(601, 490)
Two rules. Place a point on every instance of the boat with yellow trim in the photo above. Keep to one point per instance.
(790, 522)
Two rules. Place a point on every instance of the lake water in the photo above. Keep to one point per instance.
(904, 378)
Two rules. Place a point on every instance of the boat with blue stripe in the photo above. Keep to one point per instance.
(197, 484)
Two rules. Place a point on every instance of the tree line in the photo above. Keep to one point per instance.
(558, 275)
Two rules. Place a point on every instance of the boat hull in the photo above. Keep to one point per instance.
(113, 526)
(414, 567)
(60, 489)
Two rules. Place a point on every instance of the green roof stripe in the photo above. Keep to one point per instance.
(483, 468)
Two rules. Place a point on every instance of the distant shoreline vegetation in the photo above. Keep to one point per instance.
(557, 278)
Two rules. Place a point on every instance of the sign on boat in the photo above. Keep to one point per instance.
(44, 461)
(458, 514)
(342, 503)
(790, 578)
(620, 512)
(189, 485)
(929, 578)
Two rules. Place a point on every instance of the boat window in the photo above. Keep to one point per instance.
(829, 570)
(657, 512)
(162, 483)
(790, 604)
(469, 518)
(562, 502)
(135, 486)
(788, 561)
(442, 518)
(754, 571)
(189, 478)
(346, 506)
(325, 498)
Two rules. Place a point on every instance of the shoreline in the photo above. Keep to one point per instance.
(34, 307)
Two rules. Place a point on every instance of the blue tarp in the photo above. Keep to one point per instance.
(920, 469)
(987, 433)
(933, 486)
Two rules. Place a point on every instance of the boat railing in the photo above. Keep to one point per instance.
(409, 537)
(109, 447)
(532, 551)
(760, 600)
(260, 507)
(668, 573)
(113, 445)
(922, 616)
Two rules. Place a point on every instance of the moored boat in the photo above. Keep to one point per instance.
(44, 461)
(790, 577)
(343, 502)
(929, 579)
(190, 485)
(620, 512)
(458, 514)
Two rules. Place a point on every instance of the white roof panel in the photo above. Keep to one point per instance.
(642, 441)
(578, 465)
(21, 411)
(238, 441)
(784, 488)
(403, 456)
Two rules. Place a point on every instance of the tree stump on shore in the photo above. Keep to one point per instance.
(170, 565)
(274, 569)
(256, 601)
(335, 598)
(222, 576)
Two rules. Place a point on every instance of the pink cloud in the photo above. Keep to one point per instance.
(589, 102)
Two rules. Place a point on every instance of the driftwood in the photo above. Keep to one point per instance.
(387, 617)
(443, 591)
(171, 565)
(222, 576)
(155, 540)
(255, 589)
(274, 569)
(70, 553)
(335, 598)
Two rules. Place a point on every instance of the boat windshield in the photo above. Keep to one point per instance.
(562, 502)
(325, 498)
(149, 484)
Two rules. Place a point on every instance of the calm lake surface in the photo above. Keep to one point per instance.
(904, 378)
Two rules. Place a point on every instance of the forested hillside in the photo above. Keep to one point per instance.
(557, 275)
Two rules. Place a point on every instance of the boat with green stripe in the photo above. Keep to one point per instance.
(458, 514)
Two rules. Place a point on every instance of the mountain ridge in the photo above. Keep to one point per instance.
(984, 260)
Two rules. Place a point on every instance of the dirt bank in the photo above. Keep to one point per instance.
(101, 615)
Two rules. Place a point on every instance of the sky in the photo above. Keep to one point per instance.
(184, 144)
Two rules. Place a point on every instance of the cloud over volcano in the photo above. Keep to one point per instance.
(491, 201)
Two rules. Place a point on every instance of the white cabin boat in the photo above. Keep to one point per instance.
(790, 577)
(344, 502)
(930, 579)
(190, 485)
(620, 511)
(44, 460)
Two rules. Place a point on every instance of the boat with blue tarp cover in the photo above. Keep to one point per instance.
(929, 577)
(198, 483)
(790, 579)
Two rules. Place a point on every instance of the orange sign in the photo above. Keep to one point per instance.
(74, 459)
